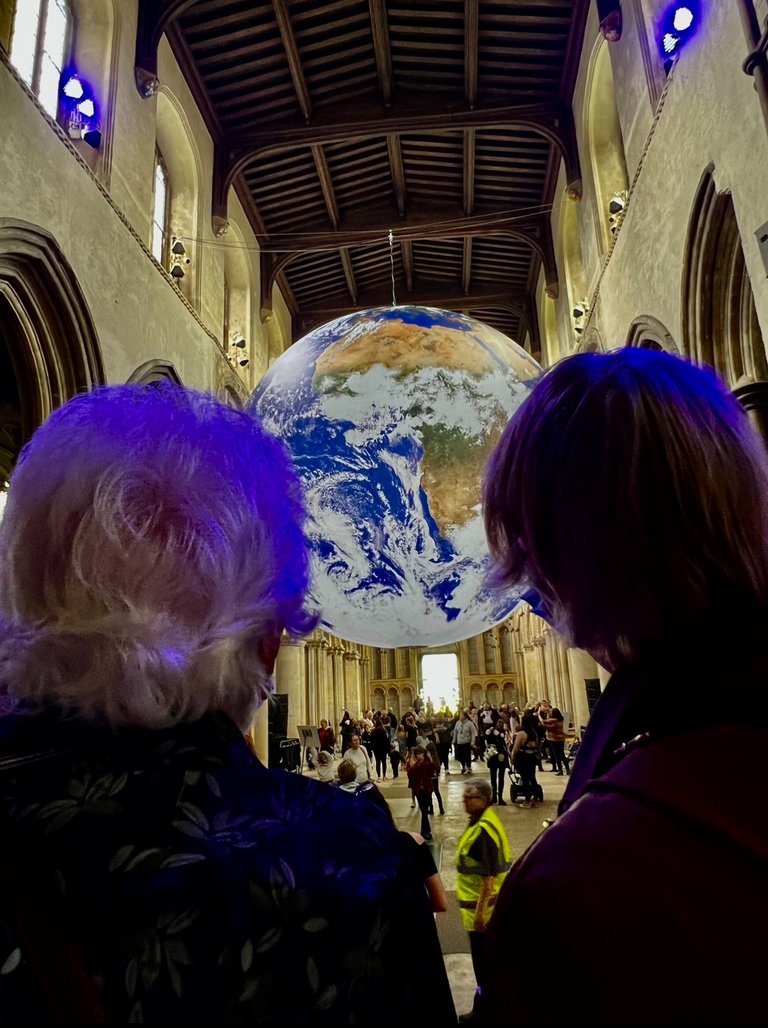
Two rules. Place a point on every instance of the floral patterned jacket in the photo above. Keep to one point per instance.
(207, 889)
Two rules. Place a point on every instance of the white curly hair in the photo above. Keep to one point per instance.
(151, 552)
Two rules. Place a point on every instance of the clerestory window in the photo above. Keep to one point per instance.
(40, 40)
(160, 211)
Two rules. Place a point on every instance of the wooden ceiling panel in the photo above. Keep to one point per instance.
(444, 120)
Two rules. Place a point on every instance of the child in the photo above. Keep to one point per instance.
(324, 766)
(395, 756)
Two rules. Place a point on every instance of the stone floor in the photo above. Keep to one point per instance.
(522, 826)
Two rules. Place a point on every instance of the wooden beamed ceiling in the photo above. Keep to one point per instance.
(443, 121)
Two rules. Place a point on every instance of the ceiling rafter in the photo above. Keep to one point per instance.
(397, 171)
(282, 14)
(338, 120)
(326, 184)
(469, 170)
(380, 33)
(471, 43)
(349, 273)
(466, 270)
(551, 120)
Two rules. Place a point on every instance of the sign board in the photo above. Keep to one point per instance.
(309, 736)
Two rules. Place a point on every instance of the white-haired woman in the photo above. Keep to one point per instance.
(151, 554)
(631, 492)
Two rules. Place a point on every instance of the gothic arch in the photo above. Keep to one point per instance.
(649, 333)
(573, 265)
(155, 371)
(720, 326)
(604, 140)
(46, 331)
(177, 145)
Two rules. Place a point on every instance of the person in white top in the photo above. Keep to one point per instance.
(360, 759)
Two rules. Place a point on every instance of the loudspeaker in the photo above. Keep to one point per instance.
(278, 715)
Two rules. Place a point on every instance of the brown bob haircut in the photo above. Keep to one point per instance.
(631, 492)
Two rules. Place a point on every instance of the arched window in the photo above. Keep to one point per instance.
(39, 46)
(606, 146)
(161, 204)
(720, 325)
(649, 333)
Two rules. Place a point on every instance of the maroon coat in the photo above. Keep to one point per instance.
(652, 885)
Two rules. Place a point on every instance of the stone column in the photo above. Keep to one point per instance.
(290, 678)
(337, 676)
(565, 678)
(352, 698)
(260, 733)
(582, 666)
(314, 698)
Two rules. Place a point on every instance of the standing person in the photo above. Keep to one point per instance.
(395, 759)
(360, 759)
(443, 741)
(420, 780)
(380, 746)
(483, 860)
(435, 759)
(327, 737)
(553, 723)
(525, 758)
(464, 734)
(666, 486)
(496, 760)
(151, 553)
(347, 728)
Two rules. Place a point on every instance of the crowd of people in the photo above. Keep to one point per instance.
(513, 744)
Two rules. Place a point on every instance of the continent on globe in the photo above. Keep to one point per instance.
(390, 415)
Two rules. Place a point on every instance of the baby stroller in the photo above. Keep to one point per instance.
(516, 787)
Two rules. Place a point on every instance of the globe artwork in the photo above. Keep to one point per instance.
(390, 415)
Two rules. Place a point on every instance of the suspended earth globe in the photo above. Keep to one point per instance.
(390, 415)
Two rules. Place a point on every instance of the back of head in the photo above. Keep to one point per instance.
(346, 771)
(631, 492)
(150, 554)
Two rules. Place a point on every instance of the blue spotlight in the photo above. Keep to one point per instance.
(678, 26)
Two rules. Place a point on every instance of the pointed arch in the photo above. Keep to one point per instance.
(177, 146)
(720, 326)
(604, 140)
(46, 329)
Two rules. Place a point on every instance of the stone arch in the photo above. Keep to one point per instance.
(406, 697)
(720, 326)
(493, 694)
(649, 333)
(155, 371)
(604, 140)
(393, 700)
(477, 694)
(573, 264)
(182, 159)
(378, 698)
(48, 340)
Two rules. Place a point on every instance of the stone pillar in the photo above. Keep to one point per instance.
(365, 682)
(314, 697)
(565, 678)
(582, 666)
(337, 675)
(352, 698)
(290, 678)
(260, 732)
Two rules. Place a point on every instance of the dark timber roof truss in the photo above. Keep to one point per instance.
(444, 122)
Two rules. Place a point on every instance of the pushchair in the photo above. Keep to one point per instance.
(516, 787)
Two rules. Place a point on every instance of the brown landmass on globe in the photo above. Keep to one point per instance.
(396, 344)
(452, 465)
(452, 479)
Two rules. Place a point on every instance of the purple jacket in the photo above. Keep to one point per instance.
(651, 888)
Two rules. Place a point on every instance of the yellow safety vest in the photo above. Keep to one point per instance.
(469, 881)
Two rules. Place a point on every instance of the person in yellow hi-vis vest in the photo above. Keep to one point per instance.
(483, 859)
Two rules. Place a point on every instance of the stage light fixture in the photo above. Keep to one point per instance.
(73, 88)
(87, 108)
(91, 136)
(178, 248)
(678, 25)
(177, 271)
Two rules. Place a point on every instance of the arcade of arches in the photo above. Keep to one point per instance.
(681, 265)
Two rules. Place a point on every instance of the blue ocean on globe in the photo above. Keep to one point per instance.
(390, 415)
